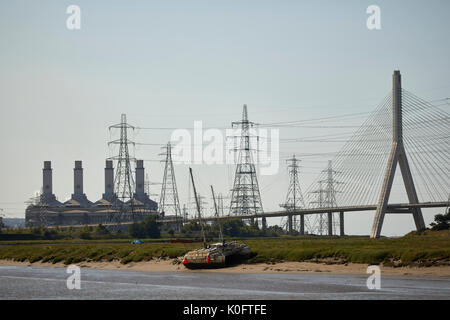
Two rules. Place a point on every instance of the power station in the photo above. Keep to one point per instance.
(79, 210)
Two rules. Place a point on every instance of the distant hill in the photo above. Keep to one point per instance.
(14, 222)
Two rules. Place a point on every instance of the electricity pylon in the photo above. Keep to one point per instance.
(326, 198)
(123, 180)
(169, 201)
(294, 198)
(245, 197)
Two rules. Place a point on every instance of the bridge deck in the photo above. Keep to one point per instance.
(398, 208)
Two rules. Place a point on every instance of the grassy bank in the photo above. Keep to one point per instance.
(74, 253)
(427, 248)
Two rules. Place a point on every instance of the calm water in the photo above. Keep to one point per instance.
(50, 283)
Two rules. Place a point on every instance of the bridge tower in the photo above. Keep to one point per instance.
(397, 155)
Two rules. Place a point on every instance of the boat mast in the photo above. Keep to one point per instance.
(198, 208)
(217, 215)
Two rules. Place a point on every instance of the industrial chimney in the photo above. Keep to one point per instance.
(78, 178)
(140, 187)
(109, 181)
(78, 194)
(47, 186)
(140, 178)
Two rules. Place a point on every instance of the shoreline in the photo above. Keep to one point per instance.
(289, 267)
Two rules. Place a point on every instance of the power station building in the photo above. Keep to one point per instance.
(79, 210)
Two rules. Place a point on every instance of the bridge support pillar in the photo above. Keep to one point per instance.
(397, 155)
(264, 223)
(330, 223)
(302, 224)
(290, 228)
(341, 223)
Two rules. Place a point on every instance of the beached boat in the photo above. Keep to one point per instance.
(217, 255)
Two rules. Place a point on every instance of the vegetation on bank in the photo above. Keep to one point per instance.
(75, 253)
(74, 245)
(441, 221)
(417, 248)
(60, 233)
(148, 228)
(231, 228)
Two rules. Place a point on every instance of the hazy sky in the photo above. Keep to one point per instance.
(168, 63)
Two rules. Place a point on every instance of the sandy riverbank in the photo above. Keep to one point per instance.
(161, 265)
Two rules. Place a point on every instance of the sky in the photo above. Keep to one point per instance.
(167, 64)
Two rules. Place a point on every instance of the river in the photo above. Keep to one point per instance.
(21, 282)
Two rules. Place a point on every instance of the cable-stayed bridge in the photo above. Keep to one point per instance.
(404, 131)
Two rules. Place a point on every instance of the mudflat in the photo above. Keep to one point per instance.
(171, 265)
